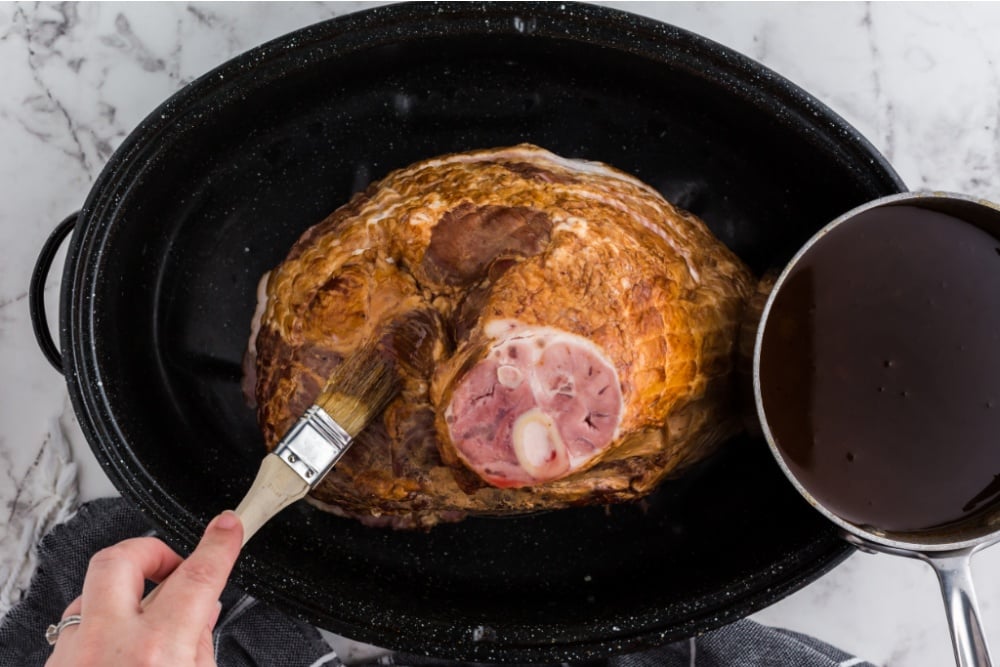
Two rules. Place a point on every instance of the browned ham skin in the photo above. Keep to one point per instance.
(467, 241)
(579, 348)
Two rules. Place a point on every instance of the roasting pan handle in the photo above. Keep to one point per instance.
(36, 291)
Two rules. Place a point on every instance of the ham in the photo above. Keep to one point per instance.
(580, 336)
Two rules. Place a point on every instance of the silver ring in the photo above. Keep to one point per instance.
(52, 632)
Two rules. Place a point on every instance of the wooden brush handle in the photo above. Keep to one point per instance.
(276, 487)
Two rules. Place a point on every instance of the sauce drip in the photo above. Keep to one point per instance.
(880, 369)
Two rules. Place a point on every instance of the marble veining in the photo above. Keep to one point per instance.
(34, 499)
(920, 81)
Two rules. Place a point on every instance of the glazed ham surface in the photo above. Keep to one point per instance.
(579, 336)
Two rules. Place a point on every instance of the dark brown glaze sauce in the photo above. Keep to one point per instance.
(880, 369)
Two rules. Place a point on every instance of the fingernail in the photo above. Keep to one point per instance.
(227, 520)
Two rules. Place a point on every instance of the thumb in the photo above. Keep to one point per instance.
(189, 598)
(205, 653)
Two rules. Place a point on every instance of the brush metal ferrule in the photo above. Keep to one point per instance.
(313, 445)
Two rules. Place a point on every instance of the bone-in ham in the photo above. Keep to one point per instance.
(580, 347)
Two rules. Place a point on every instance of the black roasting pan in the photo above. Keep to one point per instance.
(211, 190)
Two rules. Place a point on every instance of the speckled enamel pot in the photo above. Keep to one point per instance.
(215, 185)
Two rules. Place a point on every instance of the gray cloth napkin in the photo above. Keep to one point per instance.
(250, 633)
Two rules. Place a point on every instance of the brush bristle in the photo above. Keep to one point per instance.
(365, 382)
(359, 389)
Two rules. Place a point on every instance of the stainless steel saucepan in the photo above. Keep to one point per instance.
(947, 549)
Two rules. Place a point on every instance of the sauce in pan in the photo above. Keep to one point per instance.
(880, 369)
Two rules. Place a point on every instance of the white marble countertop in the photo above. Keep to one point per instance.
(921, 81)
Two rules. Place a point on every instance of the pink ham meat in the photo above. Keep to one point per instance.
(542, 404)
(580, 337)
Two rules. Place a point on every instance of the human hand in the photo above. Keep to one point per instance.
(175, 628)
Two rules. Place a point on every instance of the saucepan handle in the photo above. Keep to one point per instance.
(36, 290)
(967, 636)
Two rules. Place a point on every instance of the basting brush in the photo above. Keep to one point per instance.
(358, 390)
